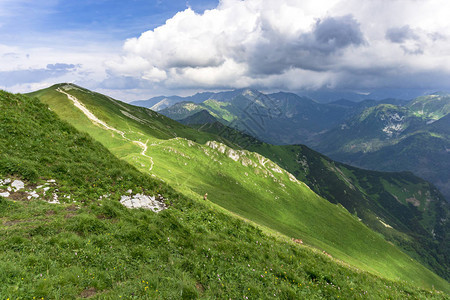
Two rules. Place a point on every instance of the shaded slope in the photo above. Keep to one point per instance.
(202, 117)
(267, 194)
(392, 138)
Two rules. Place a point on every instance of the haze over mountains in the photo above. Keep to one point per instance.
(385, 135)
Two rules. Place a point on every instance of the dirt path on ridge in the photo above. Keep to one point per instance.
(96, 121)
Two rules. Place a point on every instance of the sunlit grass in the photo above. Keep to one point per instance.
(293, 210)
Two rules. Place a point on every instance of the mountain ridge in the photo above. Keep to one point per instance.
(90, 245)
(167, 167)
(284, 118)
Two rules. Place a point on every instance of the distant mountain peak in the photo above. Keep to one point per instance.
(439, 93)
(199, 118)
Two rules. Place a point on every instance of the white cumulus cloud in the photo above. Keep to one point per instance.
(293, 44)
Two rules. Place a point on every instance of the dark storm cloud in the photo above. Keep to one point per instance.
(401, 34)
(417, 49)
(289, 45)
(332, 34)
(10, 78)
(310, 51)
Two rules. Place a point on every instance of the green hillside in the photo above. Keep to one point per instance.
(242, 182)
(88, 246)
(407, 210)
(433, 106)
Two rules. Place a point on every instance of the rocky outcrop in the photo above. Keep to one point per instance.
(153, 203)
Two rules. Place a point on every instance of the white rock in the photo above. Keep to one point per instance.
(233, 154)
(5, 194)
(7, 181)
(142, 201)
(18, 185)
(51, 180)
(32, 194)
(55, 199)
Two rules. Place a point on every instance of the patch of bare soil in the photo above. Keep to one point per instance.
(50, 212)
(72, 208)
(13, 222)
(90, 292)
(69, 215)
(18, 196)
(200, 288)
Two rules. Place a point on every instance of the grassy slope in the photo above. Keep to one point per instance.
(433, 106)
(98, 248)
(293, 210)
(377, 198)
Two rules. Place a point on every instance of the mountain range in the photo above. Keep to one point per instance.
(383, 135)
(255, 187)
(276, 219)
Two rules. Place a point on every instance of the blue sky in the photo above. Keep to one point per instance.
(138, 49)
(23, 20)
